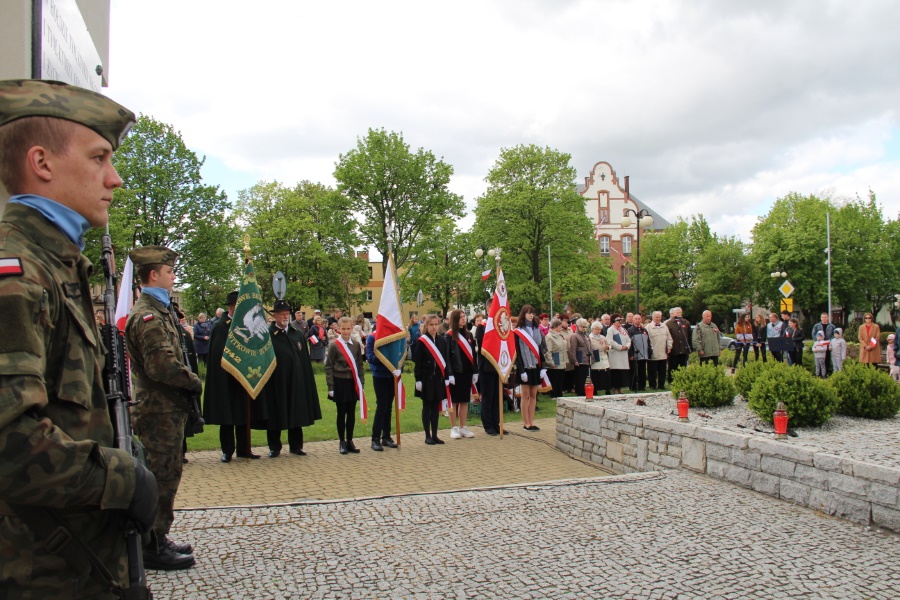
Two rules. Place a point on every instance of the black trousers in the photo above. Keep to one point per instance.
(714, 359)
(557, 376)
(639, 375)
(757, 350)
(295, 439)
(488, 387)
(384, 403)
(656, 373)
(579, 378)
(676, 361)
(233, 438)
(737, 354)
(600, 379)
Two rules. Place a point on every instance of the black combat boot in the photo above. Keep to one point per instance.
(161, 555)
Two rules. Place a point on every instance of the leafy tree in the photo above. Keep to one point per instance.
(386, 183)
(530, 205)
(163, 201)
(724, 279)
(445, 270)
(309, 234)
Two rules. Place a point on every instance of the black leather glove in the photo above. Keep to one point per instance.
(145, 502)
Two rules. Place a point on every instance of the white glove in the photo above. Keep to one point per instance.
(446, 382)
(452, 380)
(418, 386)
(543, 373)
(524, 377)
(331, 394)
(396, 373)
(475, 378)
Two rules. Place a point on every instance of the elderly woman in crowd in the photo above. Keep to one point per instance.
(619, 343)
(661, 345)
(869, 341)
(599, 359)
(580, 356)
(318, 340)
(557, 357)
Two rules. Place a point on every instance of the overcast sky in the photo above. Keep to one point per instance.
(711, 107)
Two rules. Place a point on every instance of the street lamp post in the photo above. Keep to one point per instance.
(479, 253)
(642, 220)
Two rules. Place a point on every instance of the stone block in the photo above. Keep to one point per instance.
(886, 518)
(679, 428)
(810, 476)
(586, 422)
(782, 450)
(738, 475)
(665, 437)
(655, 423)
(746, 458)
(673, 451)
(888, 475)
(669, 462)
(723, 438)
(617, 416)
(653, 458)
(716, 469)
(609, 433)
(662, 448)
(717, 452)
(634, 419)
(777, 466)
(676, 439)
(651, 445)
(794, 492)
(832, 503)
(845, 484)
(693, 455)
(885, 495)
(767, 484)
(828, 462)
(615, 451)
(642, 450)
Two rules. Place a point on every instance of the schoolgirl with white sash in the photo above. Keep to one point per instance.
(530, 350)
(432, 376)
(461, 350)
(344, 375)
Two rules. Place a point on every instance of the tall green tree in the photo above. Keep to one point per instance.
(309, 234)
(531, 205)
(445, 271)
(724, 280)
(387, 183)
(163, 201)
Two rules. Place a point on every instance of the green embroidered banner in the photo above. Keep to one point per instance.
(249, 355)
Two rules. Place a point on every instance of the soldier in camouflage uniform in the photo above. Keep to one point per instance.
(56, 438)
(162, 384)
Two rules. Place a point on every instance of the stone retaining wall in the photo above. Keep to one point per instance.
(626, 442)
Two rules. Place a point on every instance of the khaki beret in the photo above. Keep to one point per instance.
(152, 255)
(35, 98)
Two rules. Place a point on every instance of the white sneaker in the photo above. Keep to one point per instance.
(454, 433)
(466, 433)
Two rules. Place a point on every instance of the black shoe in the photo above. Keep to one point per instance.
(180, 548)
(274, 453)
(429, 441)
(184, 460)
(251, 455)
(298, 452)
(376, 446)
(351, 447)
(225, 458)
(388, 443)
(343, 447)
(161, 555)
(533, 428)
(491, 432)
(437, 440)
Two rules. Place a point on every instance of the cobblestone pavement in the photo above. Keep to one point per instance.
(637, 536)
(865, 440)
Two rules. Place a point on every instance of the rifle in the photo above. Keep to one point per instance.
(197, 421)
(118, 395)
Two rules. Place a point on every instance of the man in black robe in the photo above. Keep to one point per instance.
(224, 399)
(291, 397)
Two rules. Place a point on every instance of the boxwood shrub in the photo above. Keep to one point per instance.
(746, 375)
(866, 392)
(809, 401)
(704, 385)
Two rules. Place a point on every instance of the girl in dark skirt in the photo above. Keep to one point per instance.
(340, 376)
(461, 350)
(530, 351)
(431, 376)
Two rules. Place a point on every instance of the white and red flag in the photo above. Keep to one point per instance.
(499, 345)
(390, 333)
(485, 274)
(126, 298)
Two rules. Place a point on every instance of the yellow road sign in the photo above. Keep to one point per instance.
(786, 288)
(787, 304)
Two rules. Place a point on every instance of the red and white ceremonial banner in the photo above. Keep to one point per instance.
(357, 382)
(126, 298)
(498, 346)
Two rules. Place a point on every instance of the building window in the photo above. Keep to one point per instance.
(370, 272)
(604, 245)
(604, 216)
(368, 295)
(626, 245)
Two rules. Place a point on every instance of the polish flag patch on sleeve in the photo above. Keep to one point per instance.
(11, 266)
(147, 317)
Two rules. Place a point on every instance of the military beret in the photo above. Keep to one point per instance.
(281, 305)
(231, 298)
(21, 98)
(152, 255)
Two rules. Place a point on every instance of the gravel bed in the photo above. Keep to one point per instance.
(865, 440)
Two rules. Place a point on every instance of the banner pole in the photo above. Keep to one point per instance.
(397, 410)
(500, 401)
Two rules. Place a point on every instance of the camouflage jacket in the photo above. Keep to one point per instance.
(56, 438)
(162, 382)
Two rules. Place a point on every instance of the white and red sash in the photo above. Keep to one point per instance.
(357, 382)
(529, 341)
(467, 351)
(439, 360)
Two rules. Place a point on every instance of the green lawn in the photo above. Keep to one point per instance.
(326, 428)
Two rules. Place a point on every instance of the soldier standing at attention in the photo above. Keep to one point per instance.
(56, 437)
(162, 385)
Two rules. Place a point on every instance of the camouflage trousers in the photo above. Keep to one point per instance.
(162, 435)
(28, 571)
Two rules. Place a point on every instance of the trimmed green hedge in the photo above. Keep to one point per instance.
(809, 401)
(866, 392)
(704, 385)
